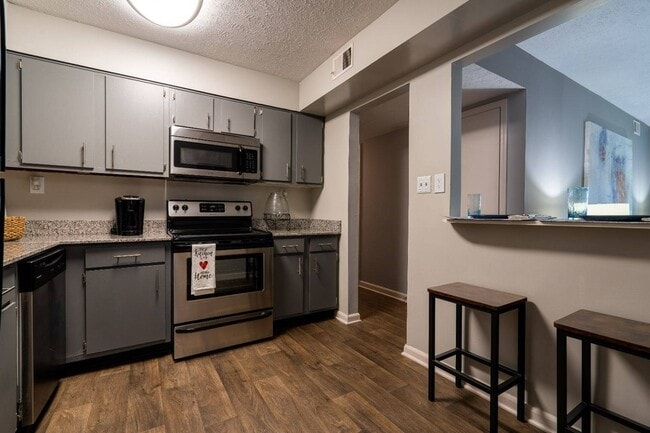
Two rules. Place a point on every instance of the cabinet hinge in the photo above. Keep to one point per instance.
(20, 64)
(20, 156)
(164, 93)
(84, 346)
(173, 96)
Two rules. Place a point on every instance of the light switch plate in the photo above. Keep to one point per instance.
(37, 184)
(439, 183)
(424, 185)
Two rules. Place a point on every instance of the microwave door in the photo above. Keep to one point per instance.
(193, 158)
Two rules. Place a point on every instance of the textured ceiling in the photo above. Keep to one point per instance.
(286, 38)
(388, 116)
(606, 50)
(480, 85)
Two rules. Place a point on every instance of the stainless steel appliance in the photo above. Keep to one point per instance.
(213, 155)
(129, 215)
(240, 309)
(42, 316)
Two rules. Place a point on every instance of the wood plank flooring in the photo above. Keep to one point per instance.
(320, 377)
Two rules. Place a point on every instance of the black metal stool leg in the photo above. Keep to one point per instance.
(494, 373)
(521, 361)
(432, 347)
(459, 342)
(561, 382)
(586, 385)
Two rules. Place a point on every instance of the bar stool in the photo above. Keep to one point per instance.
(495, 303)
(624, 335)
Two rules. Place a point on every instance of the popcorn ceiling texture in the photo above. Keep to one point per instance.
(285, 38)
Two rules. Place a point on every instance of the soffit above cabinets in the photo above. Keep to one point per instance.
(285, 38)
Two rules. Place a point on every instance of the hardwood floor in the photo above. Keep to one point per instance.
(319, 377)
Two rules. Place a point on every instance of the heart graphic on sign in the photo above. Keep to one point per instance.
(203, 264)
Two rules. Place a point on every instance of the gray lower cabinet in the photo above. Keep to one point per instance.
(57, 109)
(234, 117)
(125, 307)
(8, 352)
(274, 132)
(308, 149)
(305, 275)
(135, 126)
(192, 110)
(118, 298)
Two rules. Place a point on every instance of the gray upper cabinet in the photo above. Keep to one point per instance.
(234, 117)
(57, 114)
(274, 131)
(135, 126)
(308, 149)
(192, 110)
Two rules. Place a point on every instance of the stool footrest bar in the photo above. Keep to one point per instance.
(465, 377)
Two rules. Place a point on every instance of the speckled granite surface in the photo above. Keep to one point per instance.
(300, 227)
(43, 235)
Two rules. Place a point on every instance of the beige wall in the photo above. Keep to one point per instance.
(91, 197)
(43, 35)
(560, 270)
(384, 211)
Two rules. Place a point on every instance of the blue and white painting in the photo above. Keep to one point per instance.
(608, 165)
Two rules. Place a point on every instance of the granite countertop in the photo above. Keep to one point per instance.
(43, 235)
(300, 227)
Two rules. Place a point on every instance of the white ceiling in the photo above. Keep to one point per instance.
(286, 38)
(606, 50)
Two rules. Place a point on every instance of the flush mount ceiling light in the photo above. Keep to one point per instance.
(168, 13)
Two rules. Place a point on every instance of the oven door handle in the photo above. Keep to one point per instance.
(218, 323)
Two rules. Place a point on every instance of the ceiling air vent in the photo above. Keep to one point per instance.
(637, 127)
(342, 62)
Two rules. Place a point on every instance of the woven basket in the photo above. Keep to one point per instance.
(14, 228)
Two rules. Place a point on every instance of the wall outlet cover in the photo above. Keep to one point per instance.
(439, 183)
(424, 185)
(37, 185)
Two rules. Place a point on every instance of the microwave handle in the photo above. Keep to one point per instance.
(241, 160)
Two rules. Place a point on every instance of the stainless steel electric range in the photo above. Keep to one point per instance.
(238, 306)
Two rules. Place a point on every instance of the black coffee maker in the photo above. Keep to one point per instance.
(129, 215)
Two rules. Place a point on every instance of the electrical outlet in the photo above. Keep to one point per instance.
(424, 184)
(37, 184)
(439, 183)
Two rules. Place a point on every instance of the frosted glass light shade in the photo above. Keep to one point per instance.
(168, 13)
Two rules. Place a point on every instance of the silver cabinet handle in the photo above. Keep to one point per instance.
(228, 124)
(288, 173)
(316, 268)
(7, 306)
(300, 266)
(174, 120)
(208, 120)
(83, 155)
(113, 157)
(157, 282)
(7, 290)
(126, 256)
(302, 172)
(326, 244)
(290, 246)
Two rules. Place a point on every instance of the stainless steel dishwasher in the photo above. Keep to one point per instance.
(42, 315)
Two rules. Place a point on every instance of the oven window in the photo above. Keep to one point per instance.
(204, 156)
(234, 275)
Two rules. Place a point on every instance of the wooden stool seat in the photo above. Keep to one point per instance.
(624, 335)
(495, 303)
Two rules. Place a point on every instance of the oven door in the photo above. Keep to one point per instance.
(243, 284)
(212, 159)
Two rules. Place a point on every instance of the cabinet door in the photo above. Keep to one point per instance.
(274, 131)
(58, 114)
(323, 281)
(135, 126)
(8, 365)
(124, 307)
(288, 297)
(192, 110)
(308, 148)
(235, 117)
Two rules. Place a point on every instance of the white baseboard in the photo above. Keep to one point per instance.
(383, 290)
(348, 319)
(534, 416)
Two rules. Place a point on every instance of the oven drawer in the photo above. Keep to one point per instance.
(289, 246)
(323, 243)
(124, 255)
(209, 335)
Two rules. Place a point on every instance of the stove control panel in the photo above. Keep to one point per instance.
(195, 208)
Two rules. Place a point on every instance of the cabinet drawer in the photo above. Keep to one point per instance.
(323, 243)
(9, 277)
(289, 246)
(104, 257)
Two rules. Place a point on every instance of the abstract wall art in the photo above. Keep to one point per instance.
(608, 165)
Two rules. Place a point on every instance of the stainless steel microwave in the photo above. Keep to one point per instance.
(213, 155)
